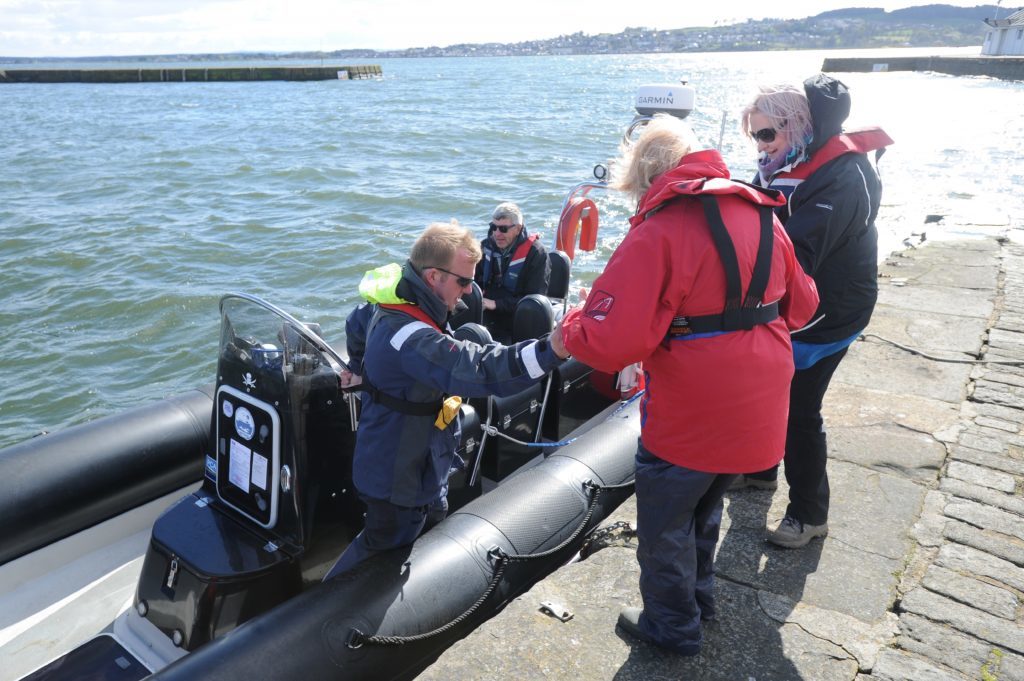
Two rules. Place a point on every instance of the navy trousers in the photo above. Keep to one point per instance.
(679, 513)
(388, 526)
(806, 446)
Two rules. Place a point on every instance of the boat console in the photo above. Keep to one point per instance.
(277, 503)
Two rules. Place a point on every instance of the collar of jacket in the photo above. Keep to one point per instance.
(413, 288)
(853, 142)
(511, 247)
(394, 284)
(702, 172)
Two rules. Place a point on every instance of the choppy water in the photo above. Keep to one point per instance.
(127, 210)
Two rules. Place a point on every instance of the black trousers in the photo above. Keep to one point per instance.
(806, 448)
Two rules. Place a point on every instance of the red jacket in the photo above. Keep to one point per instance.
(715, 403)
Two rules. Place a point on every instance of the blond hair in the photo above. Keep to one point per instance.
(786, 108)
(661, 145)
(440, 241)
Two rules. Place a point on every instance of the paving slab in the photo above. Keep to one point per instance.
(987, 541)
(957, 651)
(896, 665)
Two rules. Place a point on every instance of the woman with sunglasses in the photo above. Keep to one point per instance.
(514, 264)
(833, 194)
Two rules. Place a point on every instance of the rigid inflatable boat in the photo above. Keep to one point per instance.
(188, 539)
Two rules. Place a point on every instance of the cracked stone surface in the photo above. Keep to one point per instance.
(922, 573)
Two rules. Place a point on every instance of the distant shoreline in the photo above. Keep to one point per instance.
(247, 59)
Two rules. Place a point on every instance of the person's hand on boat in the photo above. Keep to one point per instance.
(557, 344)
(347, 379)
(583, 295)
(488, 304)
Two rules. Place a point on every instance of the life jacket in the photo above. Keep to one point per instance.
(509, 278)
(853, 142)
(397, 403)
(741, 312)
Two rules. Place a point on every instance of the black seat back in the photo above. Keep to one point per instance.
(558, 285)
(474, 311)
(472, 331)
(533, 318)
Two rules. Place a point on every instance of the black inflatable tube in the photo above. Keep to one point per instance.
(55, 485)
(428, 585)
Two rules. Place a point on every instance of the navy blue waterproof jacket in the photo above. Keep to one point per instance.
(830, 217)
(406, 459)
(506, 281)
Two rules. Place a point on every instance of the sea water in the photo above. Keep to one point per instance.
(127, 210)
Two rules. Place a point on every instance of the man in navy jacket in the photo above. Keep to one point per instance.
(412, 369)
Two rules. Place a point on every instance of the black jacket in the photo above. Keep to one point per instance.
(830, 217)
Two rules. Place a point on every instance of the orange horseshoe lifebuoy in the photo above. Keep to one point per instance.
(581, 212)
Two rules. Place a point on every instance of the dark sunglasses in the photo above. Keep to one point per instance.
(463, 282)
(501, 228)
(766, 135)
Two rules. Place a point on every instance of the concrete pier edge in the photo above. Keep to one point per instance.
(186, 74)
(1005, 68)
(922, 573)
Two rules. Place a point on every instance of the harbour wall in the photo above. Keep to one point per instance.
(185, 75)
(1005, 68)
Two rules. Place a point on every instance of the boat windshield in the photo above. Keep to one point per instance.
(265, 337)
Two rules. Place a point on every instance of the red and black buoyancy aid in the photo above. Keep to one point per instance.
(855, 142)
(740, 312)
(398, 404)
(510, 277)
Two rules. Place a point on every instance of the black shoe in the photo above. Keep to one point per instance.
(629, 621)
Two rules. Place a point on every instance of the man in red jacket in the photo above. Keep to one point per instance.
(704, 290)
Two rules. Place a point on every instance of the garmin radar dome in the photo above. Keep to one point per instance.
(675, 99)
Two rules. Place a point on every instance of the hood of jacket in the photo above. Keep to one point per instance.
(702, 172)
(829, 102)
(403, 284)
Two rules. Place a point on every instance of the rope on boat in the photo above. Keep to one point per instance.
(501, 559)
(493, 430)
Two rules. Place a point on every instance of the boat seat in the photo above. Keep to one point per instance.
(474, 311)
(534, 317)
(472, 331)
(558, 284)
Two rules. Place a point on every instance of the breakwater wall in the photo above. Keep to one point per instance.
(189, 75)
(1005, 68)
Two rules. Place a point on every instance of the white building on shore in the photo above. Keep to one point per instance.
(1005, 37)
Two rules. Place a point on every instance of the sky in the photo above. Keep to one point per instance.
(76, 28)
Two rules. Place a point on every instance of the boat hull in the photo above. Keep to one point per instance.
(430, 586)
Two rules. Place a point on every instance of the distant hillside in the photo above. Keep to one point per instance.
(854, 27)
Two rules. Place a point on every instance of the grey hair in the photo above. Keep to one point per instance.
(786, 108)
(508, 211)
(661, 145)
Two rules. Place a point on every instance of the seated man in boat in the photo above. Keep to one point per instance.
(704, 290)
(514, 264)
(412, 368)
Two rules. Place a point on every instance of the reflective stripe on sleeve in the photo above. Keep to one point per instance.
(529, 355)
(403, 333)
